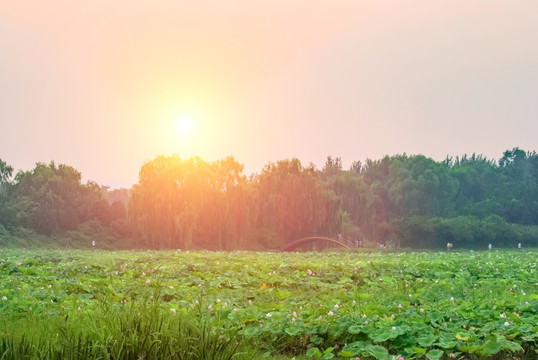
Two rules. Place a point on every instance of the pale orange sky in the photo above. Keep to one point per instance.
(99, 84)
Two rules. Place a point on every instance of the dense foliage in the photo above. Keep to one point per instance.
(130, 305)
(407, 201)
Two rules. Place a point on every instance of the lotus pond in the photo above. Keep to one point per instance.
(381, 305)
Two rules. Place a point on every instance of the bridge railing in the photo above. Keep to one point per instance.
(313, 240)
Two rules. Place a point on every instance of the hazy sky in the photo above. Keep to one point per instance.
(101, 85)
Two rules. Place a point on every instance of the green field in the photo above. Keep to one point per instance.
(244, 305)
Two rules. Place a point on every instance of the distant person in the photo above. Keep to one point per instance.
(448, 246)
(93, 243)
(489, 246)
(519, 245)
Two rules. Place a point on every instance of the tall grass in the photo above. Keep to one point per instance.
(142, 329)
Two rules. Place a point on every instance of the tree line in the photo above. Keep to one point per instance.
(397, 201)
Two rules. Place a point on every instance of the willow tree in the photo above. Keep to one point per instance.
(291, 202)
(165, 204)
(190, 203)
(224, 221)
(358, 201)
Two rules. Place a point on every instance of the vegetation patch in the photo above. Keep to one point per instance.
(121, 305)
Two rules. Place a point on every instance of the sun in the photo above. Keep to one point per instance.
(184, 125)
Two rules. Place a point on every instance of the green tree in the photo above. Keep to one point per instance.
(51, 198)
(416, 232)
(6, 171)
(7, 213)
(517, 193)
(410, 186)
(477, 177)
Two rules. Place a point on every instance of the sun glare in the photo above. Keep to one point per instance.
(184, 125)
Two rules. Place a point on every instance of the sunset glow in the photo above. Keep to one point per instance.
(263, 81)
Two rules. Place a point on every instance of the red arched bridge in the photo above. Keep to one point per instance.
(312, 240)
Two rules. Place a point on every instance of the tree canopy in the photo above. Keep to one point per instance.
(401, 200)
